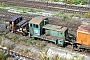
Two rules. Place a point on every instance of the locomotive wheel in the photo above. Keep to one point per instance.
(80, 48)
(22, 34)
(35, 38)
(87, 50)
(73, 47)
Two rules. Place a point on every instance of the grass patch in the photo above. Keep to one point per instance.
(66, 16)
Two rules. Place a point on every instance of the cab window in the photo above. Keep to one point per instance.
(36, 26)
(31, 25)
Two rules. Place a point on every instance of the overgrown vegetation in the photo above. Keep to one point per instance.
(82, 2)
(87, 15)
(66, 16)
(22, 10)
(2, 55)
(26, 40)
(4, 4)
(2, 42)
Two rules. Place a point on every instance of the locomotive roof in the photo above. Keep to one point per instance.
(14, 18)
(84, 29)
(21, 23)
(37, 20)
(55, 27)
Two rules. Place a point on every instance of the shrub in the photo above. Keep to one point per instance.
(23, 38)
(4, 4)
(2, 55)
(77, 15)
(3, 38)
(13, 37)
(83, 2)
(44, 56)
(87, 15)
(25, 50)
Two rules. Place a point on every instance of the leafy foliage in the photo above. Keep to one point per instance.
(83, 2)
(64, 16)
(87, 15)
(3, 38)
(4, 4)
(77, 15)
(2, 55)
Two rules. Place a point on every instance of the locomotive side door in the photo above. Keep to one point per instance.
(36, 30)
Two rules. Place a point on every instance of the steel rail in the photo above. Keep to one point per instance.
(50, 8)
(14, 52)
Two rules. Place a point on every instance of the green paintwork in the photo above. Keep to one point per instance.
(37, 31)
(34, 30)
(58, 34)
(56, 31)
(47, 31)
(60, 42)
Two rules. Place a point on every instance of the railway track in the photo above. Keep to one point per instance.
(50, 6)
(53, 4)
(15, 53)
(5, 15)
(59, 5)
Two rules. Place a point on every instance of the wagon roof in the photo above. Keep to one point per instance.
(14, 18)
(84, 29)
(37, 20)
(55, 27)
(21, 23)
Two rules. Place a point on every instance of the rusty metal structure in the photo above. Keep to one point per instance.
(21, 26)
(13, 21)
(83, 34)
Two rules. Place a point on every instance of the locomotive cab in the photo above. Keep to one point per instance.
(35, 26)
(13, 21)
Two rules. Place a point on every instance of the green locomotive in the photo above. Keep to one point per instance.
(39, 27)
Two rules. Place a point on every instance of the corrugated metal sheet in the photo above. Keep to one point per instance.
(14, 18)
(55, 27)
(37, 20)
